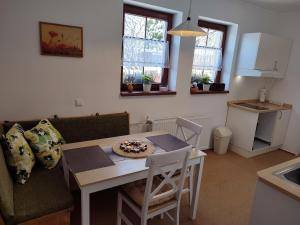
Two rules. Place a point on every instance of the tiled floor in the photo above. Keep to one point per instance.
(226, 195)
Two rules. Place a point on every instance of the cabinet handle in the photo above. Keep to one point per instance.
(280, 117)
(275, 66)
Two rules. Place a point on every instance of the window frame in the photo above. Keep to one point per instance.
(219, 27)
(135, 10)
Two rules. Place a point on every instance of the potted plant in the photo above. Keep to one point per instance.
(194, 82)
(205, 81)
(129, 80)
(147, 82)
(194, 87)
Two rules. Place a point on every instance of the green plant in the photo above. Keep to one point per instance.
(205, 79)
(147, 79)
(195, 79)
(129, 79)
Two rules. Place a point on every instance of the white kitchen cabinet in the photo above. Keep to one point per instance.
(280, 127)
(274, 207)
(254, 133)
(243, 124)
(263, 55)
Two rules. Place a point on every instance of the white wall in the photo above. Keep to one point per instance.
(35, 86)
(288, 89)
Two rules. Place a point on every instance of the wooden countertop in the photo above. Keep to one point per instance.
(285, 186)
(271, 107)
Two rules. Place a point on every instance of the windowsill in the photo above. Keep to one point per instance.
(200, 92)
(151, 93)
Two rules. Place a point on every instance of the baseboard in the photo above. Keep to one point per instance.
(249, 154)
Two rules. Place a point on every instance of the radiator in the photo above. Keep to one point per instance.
(169, 125)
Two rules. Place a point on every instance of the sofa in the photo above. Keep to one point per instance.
(45, 199)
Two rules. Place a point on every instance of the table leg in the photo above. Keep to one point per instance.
(85, 207)
(198, 169)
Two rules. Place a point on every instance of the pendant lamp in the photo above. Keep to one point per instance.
(187, 28)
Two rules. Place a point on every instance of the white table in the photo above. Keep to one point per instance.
(124, 171)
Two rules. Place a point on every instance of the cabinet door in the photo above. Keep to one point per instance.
(283, 57)
(281, 126)
(243, 124)
(268, 53)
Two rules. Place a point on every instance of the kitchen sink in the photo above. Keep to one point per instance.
(291, 173)
(256, 107)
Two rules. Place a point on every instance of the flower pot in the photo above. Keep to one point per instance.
(194, 89)
(147, 87)
(206, 87)
(130, 87)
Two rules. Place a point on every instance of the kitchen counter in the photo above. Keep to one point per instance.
(269, 107)
(267, 176)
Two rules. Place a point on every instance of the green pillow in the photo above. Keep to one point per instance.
(45, 142)
(20, 158)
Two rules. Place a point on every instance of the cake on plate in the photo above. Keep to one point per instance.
(133, 146)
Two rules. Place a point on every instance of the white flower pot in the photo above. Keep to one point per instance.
(206, 87)
(147, 87)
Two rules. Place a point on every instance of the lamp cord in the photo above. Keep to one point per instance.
(189, 14)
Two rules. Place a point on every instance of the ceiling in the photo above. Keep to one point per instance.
(278, 5)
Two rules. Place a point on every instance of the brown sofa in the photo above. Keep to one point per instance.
(45, 199)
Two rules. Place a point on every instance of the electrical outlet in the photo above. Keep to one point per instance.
(79, 102)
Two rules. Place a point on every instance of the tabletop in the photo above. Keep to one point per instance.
(123, 166)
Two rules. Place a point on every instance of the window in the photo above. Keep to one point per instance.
(209, 51)
(146, 46)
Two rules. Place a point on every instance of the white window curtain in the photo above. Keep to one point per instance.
(206, 58)
(145, 53)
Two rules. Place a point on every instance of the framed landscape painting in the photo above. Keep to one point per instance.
(61, 40)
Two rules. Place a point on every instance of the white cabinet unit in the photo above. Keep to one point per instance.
(263, 55)
(254, 133)
(281, 126)
(273, 207)
(243, 124)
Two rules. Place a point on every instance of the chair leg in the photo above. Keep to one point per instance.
(119, 212)
(191, 183)
(143, 221)
(162, 216)
(176, 216)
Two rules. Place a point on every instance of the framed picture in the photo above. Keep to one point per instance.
(61, 40)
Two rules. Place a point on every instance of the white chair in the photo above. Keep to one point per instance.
(156, 196)
(190, 132)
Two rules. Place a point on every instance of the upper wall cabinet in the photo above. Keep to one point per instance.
(263, 55)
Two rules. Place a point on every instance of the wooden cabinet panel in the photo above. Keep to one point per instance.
(263, 55)
(268, 53)
(281, 126)
(243, 124)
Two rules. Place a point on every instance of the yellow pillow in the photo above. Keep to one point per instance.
(20, 158)
(45, 142)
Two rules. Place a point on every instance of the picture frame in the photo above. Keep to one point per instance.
(61, 40)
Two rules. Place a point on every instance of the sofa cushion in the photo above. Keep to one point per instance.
(20, 158)
(92, 127)
(6, 189)
(85, 128)
(46, 143)
(45, 192)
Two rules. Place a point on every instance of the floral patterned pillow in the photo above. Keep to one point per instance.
(20, 158)
(45, 142)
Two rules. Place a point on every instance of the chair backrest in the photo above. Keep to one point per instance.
(189, 130)
(166, 164)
